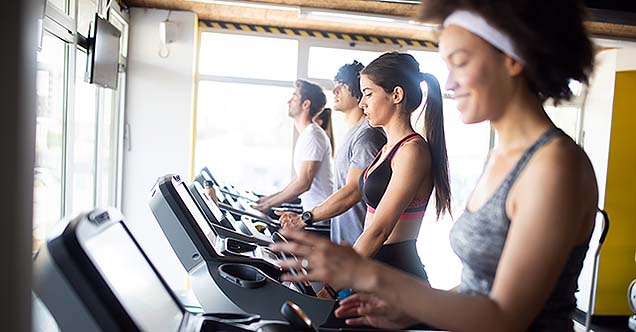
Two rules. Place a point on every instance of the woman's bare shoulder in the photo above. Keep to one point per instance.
(414, 152)
(564, 166)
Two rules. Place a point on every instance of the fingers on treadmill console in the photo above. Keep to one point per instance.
(358, 304)
(367, 309)
(289, 264)
(293, 246)
(328, 262)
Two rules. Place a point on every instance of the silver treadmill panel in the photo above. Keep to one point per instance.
(133, 281)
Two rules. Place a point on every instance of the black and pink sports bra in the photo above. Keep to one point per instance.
(373, 184)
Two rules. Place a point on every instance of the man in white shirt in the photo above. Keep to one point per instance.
(312, 153)
(356, 151)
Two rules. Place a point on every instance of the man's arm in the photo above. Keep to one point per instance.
(302, 183)
(342, 200)
(336, 204)
(365, 149)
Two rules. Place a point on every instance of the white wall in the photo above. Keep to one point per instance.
(159, 115)
(626, 59)
(597, 117)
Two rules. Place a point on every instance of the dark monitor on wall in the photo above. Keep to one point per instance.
(102, 66)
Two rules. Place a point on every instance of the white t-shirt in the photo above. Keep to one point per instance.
(313, 145)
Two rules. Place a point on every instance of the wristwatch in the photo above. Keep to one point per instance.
(307, 217)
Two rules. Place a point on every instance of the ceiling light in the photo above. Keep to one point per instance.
(250, 4)
(613, 42)
(362, 18)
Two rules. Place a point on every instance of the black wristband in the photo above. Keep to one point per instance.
(307, 217)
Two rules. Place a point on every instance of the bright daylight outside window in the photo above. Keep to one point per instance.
(47, 195)
(324, 62)
(106, 180)
(248, 57)
(244, 134)
(84, 140)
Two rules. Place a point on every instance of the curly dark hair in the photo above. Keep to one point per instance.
(349, 74)
(549, 35)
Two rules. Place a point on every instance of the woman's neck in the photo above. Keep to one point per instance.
(521, 123)
(397, 127)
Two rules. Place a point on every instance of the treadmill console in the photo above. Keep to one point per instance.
(94, 276)
(95, 266)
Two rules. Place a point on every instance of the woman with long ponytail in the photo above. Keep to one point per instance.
(397, 185)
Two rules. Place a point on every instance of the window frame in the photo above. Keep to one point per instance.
(62, 23)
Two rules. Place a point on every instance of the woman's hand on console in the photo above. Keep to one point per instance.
(338, 265)
(368, 309)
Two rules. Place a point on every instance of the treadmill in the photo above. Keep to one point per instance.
(234, 201)
(202, 251)
(227, 188)
(92, 275)
(225, 223)
(239, 204)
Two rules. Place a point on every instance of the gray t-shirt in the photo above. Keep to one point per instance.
(360, 146)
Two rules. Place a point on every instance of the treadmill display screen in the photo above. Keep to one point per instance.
(218, 214)
(196, 213)
(133, 281)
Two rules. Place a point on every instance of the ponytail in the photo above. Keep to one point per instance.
(324, 117)
(434, 130)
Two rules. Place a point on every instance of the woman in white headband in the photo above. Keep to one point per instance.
(527, 224)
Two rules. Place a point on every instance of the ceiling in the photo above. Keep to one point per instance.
(609, 19)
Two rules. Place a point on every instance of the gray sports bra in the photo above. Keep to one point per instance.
(478, 238)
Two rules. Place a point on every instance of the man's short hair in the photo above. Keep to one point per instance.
(314, 93)
(349, 74)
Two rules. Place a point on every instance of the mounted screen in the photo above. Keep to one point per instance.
(103, 54)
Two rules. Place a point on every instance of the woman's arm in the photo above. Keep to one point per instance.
(546, 223)
(411, 166)
(547, 219)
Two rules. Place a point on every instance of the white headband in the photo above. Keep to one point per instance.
(476, 24)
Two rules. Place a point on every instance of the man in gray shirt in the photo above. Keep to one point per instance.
(361, 144)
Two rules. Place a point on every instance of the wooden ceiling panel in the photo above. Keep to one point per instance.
(291, 19)
(612, 30)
